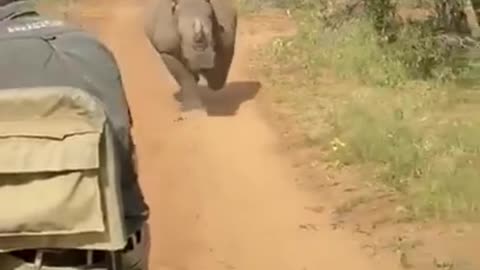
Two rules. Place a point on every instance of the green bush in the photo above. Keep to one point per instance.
(417, 148)
(393, 106)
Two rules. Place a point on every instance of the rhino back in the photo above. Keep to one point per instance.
(160, 26)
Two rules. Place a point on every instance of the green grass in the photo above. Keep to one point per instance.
(419, 145)
(367, 106)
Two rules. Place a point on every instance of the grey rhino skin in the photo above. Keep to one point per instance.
(194, 37)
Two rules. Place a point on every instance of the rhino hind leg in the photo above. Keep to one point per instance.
(187, 81)
(217, 76)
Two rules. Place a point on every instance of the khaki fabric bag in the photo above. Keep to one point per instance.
(58, 172)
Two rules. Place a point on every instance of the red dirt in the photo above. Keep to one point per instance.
(223, 194)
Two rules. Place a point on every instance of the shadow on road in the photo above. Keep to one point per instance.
(227, 101)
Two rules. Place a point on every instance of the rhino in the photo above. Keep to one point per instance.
(194, 38)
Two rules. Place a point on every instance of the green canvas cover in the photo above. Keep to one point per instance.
(59, 184)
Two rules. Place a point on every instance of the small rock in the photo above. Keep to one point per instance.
(179, 119)
(401, 209)
(316, 209)
(443, 264)
(358, 229)
(308, 227)
(337, 225)
(404, 260)
(334, 184)
(288, 12)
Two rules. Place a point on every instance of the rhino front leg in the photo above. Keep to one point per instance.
(187, 81)
(217, 76)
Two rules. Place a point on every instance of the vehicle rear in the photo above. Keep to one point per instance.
(60, 193)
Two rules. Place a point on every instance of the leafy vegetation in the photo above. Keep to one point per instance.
(387, 91)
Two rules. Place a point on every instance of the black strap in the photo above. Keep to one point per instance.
(61, 258)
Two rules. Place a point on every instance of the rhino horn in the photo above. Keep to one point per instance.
(174, 5)
(198, 32)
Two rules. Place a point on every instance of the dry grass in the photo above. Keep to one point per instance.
(364, 107)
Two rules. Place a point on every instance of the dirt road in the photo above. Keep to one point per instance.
(222, 195)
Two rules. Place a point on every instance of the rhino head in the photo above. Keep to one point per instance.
(196, 21)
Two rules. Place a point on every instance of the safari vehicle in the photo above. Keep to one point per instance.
(60, 194)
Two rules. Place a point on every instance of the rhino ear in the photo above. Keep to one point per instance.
(174, 5)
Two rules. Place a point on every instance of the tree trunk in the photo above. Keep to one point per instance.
(472, 19)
